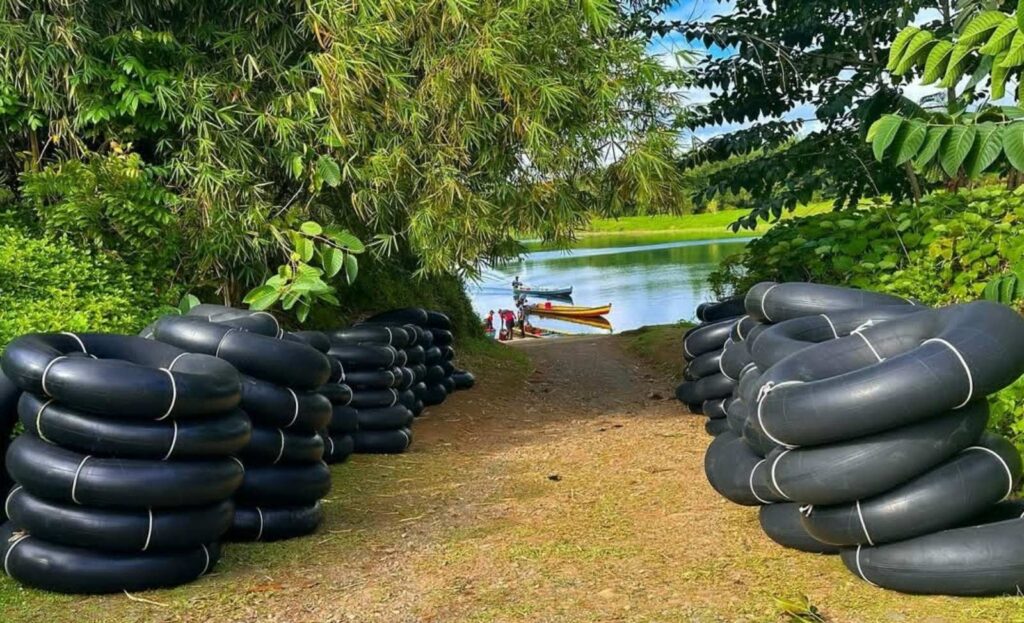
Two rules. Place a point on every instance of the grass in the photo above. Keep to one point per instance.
(693, 226)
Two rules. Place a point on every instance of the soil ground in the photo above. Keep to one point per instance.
(567, 486)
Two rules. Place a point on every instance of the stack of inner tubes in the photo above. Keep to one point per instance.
(125, 471)
(707, 387)
(9, 394)
(377, 412)
(285, 474)
(861, 431)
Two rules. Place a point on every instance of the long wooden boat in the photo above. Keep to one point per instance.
(598, 322)
(543, 291)
(569, 311)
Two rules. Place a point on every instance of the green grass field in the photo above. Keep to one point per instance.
(692, 226)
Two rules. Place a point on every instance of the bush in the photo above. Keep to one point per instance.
(943, 250)
(54, 285)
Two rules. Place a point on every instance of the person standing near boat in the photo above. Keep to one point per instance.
(510, 321)
(489, 321)
(516, 283)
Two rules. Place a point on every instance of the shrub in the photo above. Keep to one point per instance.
(54, 285)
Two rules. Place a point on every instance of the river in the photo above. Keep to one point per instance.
(648, 280)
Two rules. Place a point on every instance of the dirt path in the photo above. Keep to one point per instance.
(574, 494)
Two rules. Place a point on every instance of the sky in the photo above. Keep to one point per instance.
(666, 48)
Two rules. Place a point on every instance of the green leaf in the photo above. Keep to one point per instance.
(351, 268)
(955, 67)
(883, 132)
(328, 171)
(1001, 38)
(955, 147)
(345, 239)
(1020, 14)
(914, 49)
(1015, 54)
(1013, 144)
(303, 311)
(978, 29)
(262, 297)
(985, 151)
(187, 302)
(305, 248)
(311, 228)
(999, 74)
(297, 166)
(291, 299)
(333, 261)
(910, 139)
(935, 64)
(899, 45)
(931, 145)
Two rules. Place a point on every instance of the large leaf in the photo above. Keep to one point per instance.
(1020, 14)
(882, 134)
(1015, 53)
(262, 297)
(998, 77)
(345, 239)
(955, 67)
(899, 45)
(351, 268)
(311, 228)
(914, 49)
(978, 29)
(935, 64)
(909, 140)
(1013, 144)
(333, 260)
(1001, 37)
(955, 147)
(328, 171)
(985, 150)
(931, 145)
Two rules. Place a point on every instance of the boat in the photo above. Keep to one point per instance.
(597, 322)
(543, 291)
(569, 311)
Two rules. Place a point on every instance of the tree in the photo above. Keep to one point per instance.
(825, 54)
(443, 128)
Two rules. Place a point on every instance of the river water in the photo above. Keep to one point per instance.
(648, 280)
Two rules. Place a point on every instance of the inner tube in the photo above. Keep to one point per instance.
(435, 374)
(408, 315)
(853, 470)
(316, 339)
(336, 393)
(716, 427)
(337, 448)
(373, 379)
(365, 356)
(374, 398)
(734, 359)
(113, 530)
(891, 374)
(382, 334)
(382, 442)
(211, 437)
(781, 522)
(62, 569)
(945, 497)
(9, 395)
(386, 418)
(438, 320)
(408, 378)
(284, 362)
(275, 523)
(708, 388)
(706, 338)
(704, 365)
(447, 354)
(775, 302)
(715, 409)
(273, 446)
(433, 356)
(463, 379)
(721, 310)
(284, 485)
(344, 420)
(280, 407)
(734, 471)
(121, 375)
(261, 322)
(415, 355)
(742, 329)
(776, 342)
(434, 395)
(61, 475)
(442, 337)
(973, 561)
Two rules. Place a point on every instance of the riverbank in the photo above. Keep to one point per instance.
(553, 491)
(708, 226)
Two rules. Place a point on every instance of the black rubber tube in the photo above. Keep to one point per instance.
(715, 409)
(438, 320)
(742, 329)
(336, 393)
(261, 322)
(62, 569)
(284, 485)
(716, 427)
(442, 337)
(945, 497)
(365, 356)
(781, 522)
(373, 379)
(415, 355)
(408, 315)
(316, 339)
(384, 335)
(386, 418)
(721, 310)
(735, 358)
(736, 414)
(382, 442)
(972, 561)
(373, 398)
(211, 437)
(736, 472)
(435, 374)
(932, 361)
(776, 302)
(285, 362)
(129, 377)
(447, 354)
(113, 530)
(704, 365)
(708, 388)
(434, 395)
(62, 475)
(853, 470)
(433, 356)
(279, 407)
(274, 446)
(275, 523)
(463, 379)
(9, 395)
(706, 338)
(337, 448)
(344, 420)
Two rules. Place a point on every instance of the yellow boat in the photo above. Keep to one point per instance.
(597, 322)
(569, 311)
